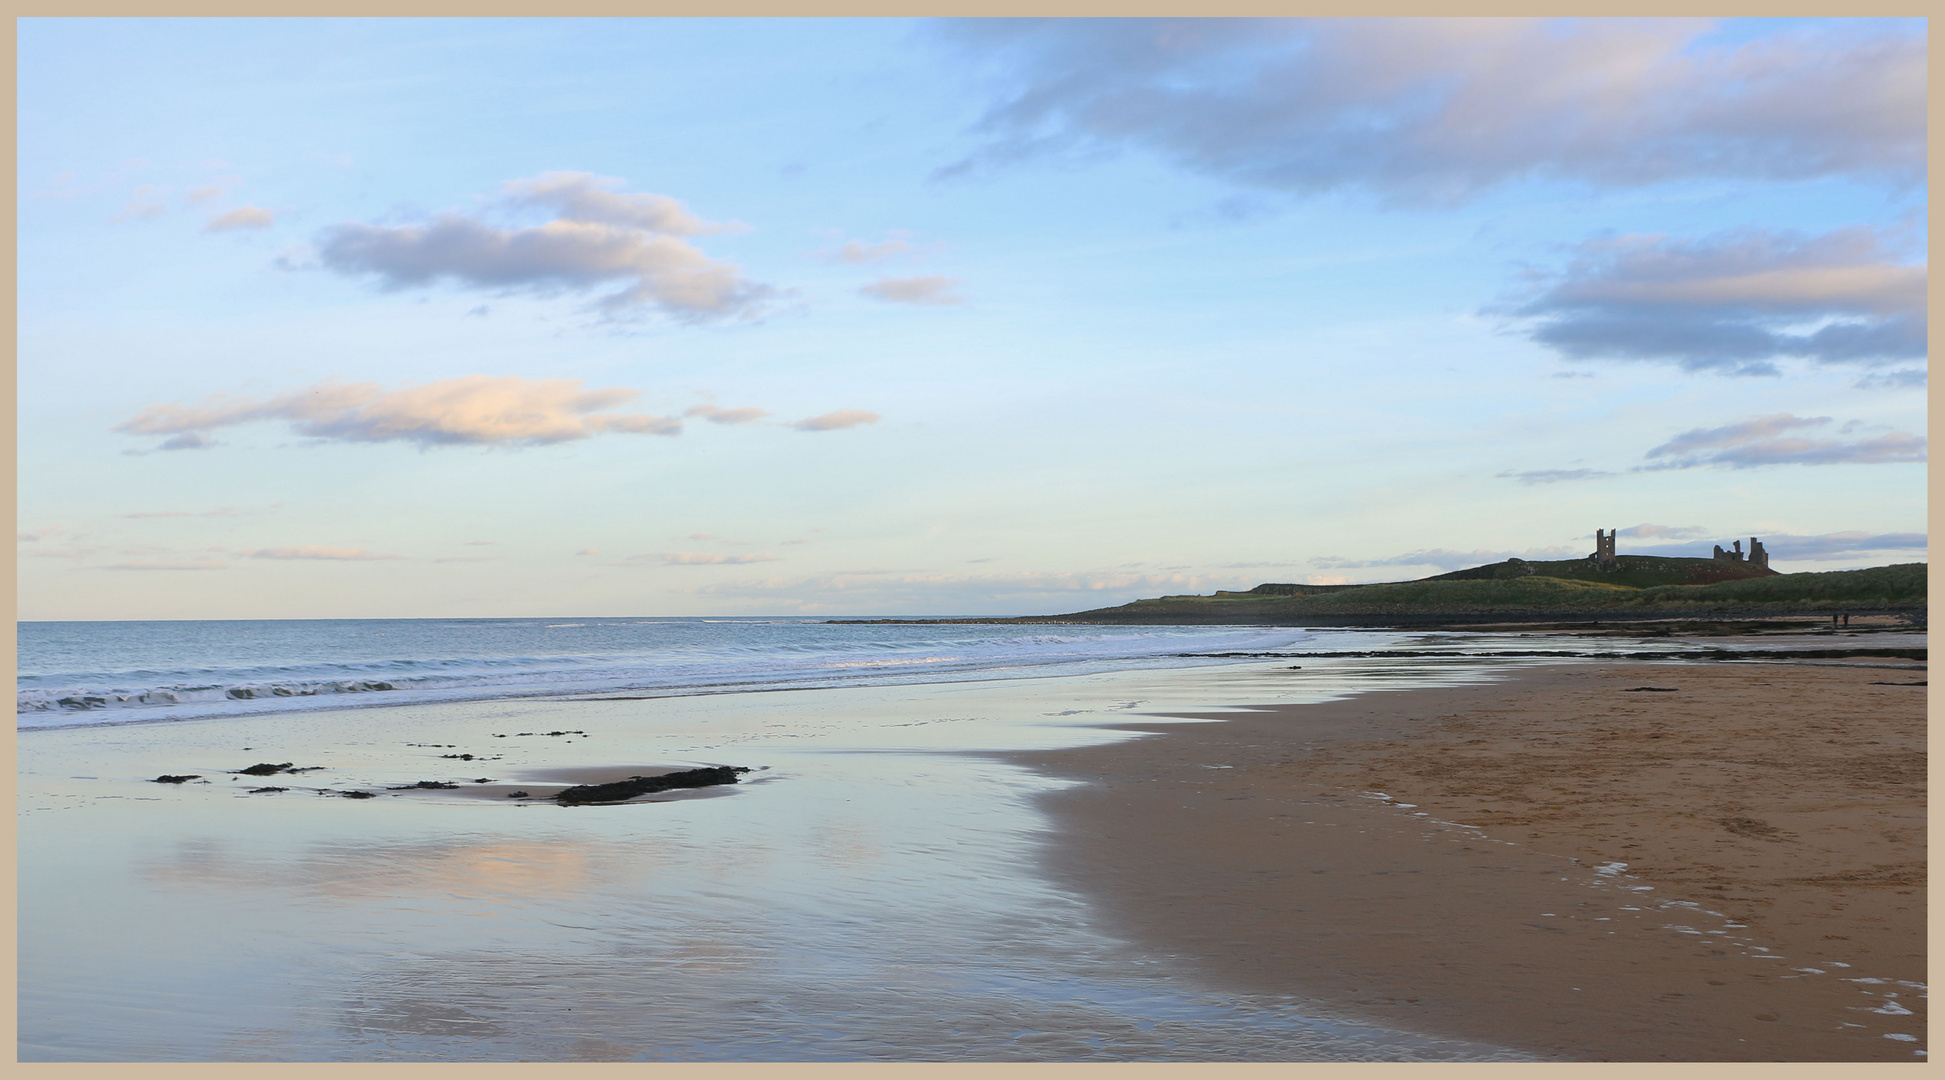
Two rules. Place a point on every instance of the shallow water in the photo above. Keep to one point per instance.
(872, 891)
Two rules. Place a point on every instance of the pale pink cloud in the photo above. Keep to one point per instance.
(505, 409)
(243, 217)
(319, 551)
(704, 558)
(715, 415)
(599, 236)
(838, 421)
(924, 291)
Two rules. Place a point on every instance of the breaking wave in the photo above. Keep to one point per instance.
(92, 673)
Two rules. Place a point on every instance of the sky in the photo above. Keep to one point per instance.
(501, 318)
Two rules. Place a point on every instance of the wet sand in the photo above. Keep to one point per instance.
(869, 892)
(1450, 861)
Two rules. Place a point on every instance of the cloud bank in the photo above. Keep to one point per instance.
(922, 291)
(716, 415)
(598, 236)
(885, 591)
(858, 251)
(838, 421)
(1776, 440)
(245, 217)
(1554, 476)
(1448, 559)
(705, 558)
(1736, 301)
(318, 551)
(1440, 110)
(477, 409)
(1788, 546)
(1673, 532)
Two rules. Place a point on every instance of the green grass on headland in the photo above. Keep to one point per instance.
(1506, 592)
(1898, 587)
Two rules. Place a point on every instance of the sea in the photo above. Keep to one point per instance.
(874, 890)
(114, 672)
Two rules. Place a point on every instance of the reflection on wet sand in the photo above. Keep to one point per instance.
(873, 895)
(496, 870)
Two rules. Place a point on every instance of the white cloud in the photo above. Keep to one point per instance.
(1437, 110)
(857, 251)
(221, 511)
(1448, 559)
(206, 565)
(145, 206)
(1553, 476)
(925, 291)
(579, 196)
(1902, 379)
(598, 237)
(1772, 440)
(703, 558)
(838, 421)
(857, 592)
(1735, 301)
(1801, 548)
(244, 217)
(727, 416)
(481, 409)
(318, 551)
(1673, 532)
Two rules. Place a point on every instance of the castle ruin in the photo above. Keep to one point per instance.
(1604, 549)
(1757, 557)
(1606, 559)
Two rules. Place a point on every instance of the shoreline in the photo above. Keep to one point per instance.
(876, 837)
(1397, 617)
(1729, 867)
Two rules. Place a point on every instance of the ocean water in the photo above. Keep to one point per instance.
(105, 672)
(872, 891)
(98, 672)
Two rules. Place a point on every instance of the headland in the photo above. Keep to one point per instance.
(1629, 589)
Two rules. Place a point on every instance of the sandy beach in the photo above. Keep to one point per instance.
(1585, 861)
(870, 891)
(1354, 857)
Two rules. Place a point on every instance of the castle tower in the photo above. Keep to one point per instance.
(1604, 547)
(1758, 556)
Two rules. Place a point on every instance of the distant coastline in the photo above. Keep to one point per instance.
(1630, 588)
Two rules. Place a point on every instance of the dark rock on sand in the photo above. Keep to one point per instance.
(430, 785)
(518, 795)
(462, 757)
(266, 790)
(359, 795)
(167, 779)
(264, 768)
(622, 790)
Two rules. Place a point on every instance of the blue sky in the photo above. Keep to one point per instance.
(436, 318)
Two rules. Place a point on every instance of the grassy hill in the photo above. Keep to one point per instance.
(1640, 589)
(1639, 571)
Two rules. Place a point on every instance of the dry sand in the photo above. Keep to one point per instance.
(1771, 818)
